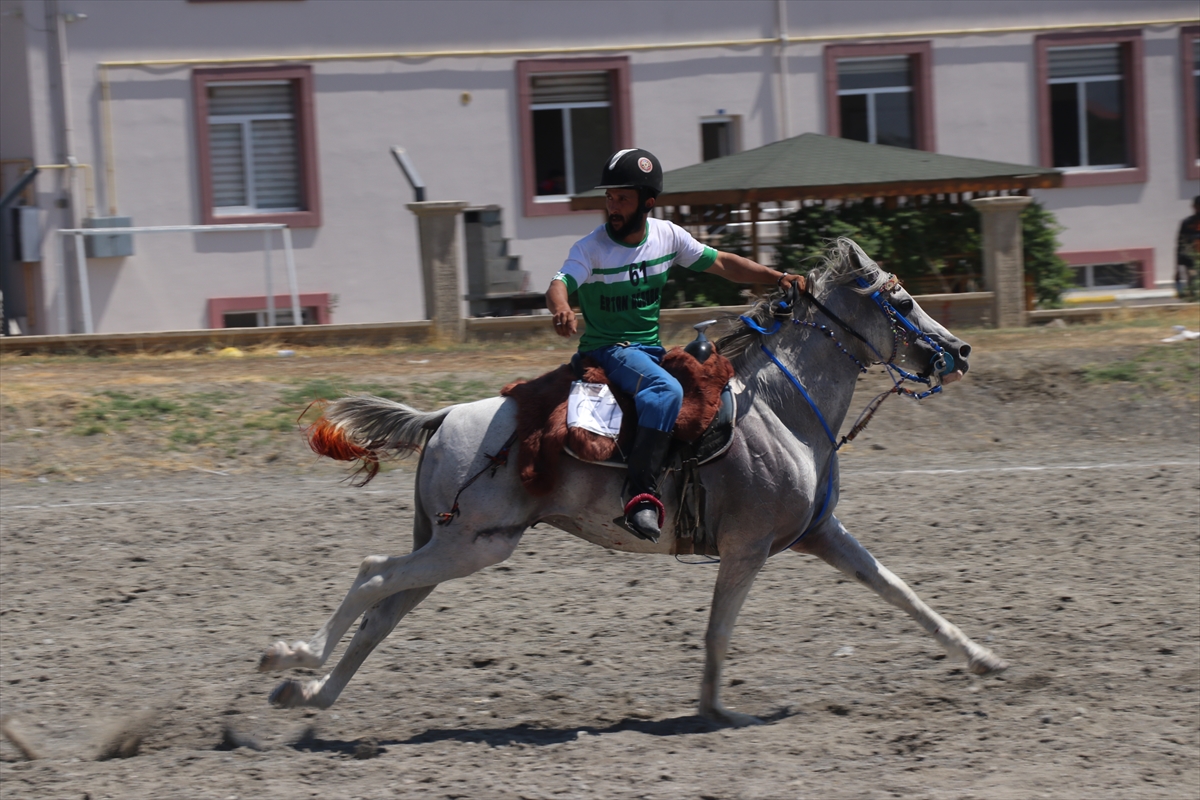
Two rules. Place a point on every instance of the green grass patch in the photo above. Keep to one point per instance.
(1172, 369)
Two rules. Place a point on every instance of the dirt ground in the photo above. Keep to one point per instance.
(162, 523)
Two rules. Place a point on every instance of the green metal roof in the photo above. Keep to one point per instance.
(816, 166)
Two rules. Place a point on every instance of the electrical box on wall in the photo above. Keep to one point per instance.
(113, 245)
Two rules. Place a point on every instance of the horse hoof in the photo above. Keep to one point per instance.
(288, 694)
(989, 664)
(279, 657)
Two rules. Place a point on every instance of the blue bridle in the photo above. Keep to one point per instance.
(901, 326)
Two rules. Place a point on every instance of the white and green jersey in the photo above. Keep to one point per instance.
(620, 285)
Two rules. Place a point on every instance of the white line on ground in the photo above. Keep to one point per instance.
(845, 473)
(121, 503)
(1048, 468)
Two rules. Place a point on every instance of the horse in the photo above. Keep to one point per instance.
(775, 489)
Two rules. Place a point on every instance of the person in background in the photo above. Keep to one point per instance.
(1187, 283)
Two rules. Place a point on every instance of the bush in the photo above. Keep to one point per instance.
(933, 248)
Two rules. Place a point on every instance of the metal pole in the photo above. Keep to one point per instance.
(62, 284)
(291, 274)
(85, 292)
(270, 286)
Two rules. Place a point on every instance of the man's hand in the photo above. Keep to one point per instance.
(564, 317)
(788, 281)
(564, 323)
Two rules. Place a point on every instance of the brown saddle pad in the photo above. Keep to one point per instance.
(542, 414)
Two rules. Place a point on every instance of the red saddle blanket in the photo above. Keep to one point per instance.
(542, 414)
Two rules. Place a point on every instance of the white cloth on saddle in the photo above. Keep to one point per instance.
(593, 407)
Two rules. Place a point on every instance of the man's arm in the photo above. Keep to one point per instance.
(556, 301)
(733, 267)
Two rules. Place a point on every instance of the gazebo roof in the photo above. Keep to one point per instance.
(816, 166)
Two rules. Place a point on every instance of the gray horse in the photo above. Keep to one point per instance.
(778, 483)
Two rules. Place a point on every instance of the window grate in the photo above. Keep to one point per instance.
(571, 87)
(1085, 62)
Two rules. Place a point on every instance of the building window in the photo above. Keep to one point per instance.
(1190, 52)
(1090, 107)
(572, 131)
(719, 137)
(1130, 268)
(251, 312)
(1105, 276)
(573, 115)
(1087, 107)
(256, 145)
(881, 94)
(875, 100)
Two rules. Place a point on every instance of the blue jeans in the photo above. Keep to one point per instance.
(635, 369)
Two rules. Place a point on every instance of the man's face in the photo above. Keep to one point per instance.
(621, 206)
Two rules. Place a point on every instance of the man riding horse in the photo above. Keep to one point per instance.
(618, 271)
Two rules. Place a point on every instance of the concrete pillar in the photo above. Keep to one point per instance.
(1003, 257)
(437, 223)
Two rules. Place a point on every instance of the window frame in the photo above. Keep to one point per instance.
(218, 307)
(619, 103)
(1142, 256)
(1130, 43)
(1188, 36)
(300, 76)
(920, 55)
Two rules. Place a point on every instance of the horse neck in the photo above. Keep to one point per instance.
(827, 374)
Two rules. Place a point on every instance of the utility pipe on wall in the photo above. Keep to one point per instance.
(784, 121)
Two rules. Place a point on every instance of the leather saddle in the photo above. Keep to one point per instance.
(712, 443)
(703, 431)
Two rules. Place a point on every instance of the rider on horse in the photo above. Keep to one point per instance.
(619, 271)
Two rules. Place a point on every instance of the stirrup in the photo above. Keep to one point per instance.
(654, 502)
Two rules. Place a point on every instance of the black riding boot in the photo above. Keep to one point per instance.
(647, 461)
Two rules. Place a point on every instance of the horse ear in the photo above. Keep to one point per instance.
(852, 256)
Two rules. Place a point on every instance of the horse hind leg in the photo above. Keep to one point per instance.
(379, 621)
(833, 544)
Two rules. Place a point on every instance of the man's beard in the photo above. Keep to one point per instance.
(636, 222)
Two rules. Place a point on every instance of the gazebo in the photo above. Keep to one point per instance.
(816, 167)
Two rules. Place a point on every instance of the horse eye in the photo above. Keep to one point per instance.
(904, 306)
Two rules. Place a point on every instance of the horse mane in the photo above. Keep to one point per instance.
(843, 261)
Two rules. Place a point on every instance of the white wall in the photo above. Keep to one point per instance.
(366, 249)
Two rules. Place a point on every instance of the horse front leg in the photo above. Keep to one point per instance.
(833, 544)
(735, 576)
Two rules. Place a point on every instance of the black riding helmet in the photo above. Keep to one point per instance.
(633, 169)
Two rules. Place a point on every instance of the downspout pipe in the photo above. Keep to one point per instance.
(6, 250)
(68, 129)
(785, 128)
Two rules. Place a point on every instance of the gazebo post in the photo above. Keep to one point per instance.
(1003, 257)
(754, 230)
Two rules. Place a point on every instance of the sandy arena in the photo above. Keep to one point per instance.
(1054, 518)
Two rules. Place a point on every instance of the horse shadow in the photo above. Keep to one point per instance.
(525, 734)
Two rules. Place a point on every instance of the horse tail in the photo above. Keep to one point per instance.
(365, 428)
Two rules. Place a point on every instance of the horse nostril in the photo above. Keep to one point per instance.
(964, 350)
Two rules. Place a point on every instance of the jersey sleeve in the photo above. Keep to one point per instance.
(575, 270)
(690, 253)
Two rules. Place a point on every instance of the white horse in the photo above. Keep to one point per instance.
(776, 487)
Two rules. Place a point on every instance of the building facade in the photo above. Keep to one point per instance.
(212, 112)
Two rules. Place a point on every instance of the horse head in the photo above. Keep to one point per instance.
(872, 306)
